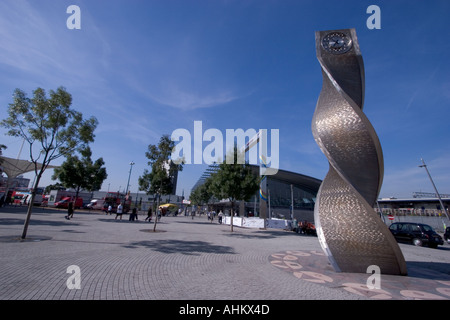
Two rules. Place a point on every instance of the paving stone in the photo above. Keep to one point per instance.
(188, 259)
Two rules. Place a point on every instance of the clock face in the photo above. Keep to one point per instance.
(336, 42)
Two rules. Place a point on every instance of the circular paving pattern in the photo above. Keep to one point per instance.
(313, 266)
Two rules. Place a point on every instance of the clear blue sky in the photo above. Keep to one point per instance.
(146, 68)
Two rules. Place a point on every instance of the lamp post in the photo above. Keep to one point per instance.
(128, 183)
(435, 189)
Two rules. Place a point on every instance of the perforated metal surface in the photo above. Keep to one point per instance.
(350, 232)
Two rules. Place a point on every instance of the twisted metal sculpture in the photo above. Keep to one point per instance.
(350, 232)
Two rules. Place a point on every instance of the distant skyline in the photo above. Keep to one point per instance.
(147, 68)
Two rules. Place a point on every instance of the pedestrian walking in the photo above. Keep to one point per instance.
(69, 211)
(119, 211)
(109, 210)
(220, 216)
(133, 215)
(211, 216)
(159, 213)
(149, 214)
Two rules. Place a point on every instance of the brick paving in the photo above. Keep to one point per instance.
(188, 259)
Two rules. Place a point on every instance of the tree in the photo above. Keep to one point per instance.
(161, 177)
(202, 194)
(81, 174)
(234, 181)
(50, 127)
(2, 146)
(56, 186)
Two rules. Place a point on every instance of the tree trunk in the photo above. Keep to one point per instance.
(156, 213)
(76, 197)
(232, 214)
(30, 206)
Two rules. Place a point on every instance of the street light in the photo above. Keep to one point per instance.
(435, 189)
(129, 175)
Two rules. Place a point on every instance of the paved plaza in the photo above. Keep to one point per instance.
(95, 257)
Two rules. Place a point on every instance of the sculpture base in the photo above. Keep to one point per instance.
(351, 234)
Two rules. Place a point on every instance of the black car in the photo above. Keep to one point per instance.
(418, 234)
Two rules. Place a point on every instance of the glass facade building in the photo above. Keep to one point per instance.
(289, 195)
(282, 189)
(282, 197)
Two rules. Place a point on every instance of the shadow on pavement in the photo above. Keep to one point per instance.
(17, 238)
(198, 221)
(183, 247)
(45, 210)
(264, 234)
(428, 270)
(36, 222)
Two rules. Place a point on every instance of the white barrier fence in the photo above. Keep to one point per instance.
(252, 222)
(439, 223)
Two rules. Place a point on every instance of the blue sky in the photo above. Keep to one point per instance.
(146, 68)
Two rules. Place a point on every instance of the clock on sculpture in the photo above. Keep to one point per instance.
(337, 42)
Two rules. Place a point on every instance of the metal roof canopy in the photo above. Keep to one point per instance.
(294, 178)
(289, 177)
(15, 167)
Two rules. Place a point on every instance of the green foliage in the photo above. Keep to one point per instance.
(2, 146)
(51, 128)
(48, 122)
(81, 173)
(159, 179)
(234, 181)
(202, 194)
(56, 186)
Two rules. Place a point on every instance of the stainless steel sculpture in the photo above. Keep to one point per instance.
(350, 232)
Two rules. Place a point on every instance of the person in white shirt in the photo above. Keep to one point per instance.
(119, 212)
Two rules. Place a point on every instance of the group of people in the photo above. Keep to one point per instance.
(134, 215)
(119, 213)
(149, 214)
(212, 214)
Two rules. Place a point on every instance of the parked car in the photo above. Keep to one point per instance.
(95, 204)
(418, 234)
(64, 203)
